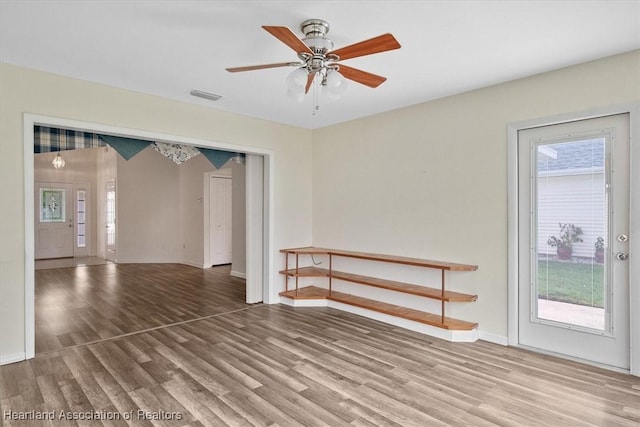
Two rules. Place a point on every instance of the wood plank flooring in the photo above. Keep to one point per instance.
(89, 303)
(283, 366)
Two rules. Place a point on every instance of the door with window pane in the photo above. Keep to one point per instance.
(573, 223)
(54, 225)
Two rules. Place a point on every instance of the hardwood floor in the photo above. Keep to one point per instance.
(278, 365)
(90, 303)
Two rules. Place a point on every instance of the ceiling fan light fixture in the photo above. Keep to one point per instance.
(335, 83)
(296, 95)
(297, 79)
(319, 70)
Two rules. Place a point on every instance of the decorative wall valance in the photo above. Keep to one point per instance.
(176, 152)
(48, 139)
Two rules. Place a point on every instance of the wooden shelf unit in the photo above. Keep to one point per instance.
(440, 294)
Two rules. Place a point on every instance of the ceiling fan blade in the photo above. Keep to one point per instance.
(261, 67)
(378, 44)
(361, 77)
(310, 77)
(286, 36)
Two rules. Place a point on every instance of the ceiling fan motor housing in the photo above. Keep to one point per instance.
(314, 31)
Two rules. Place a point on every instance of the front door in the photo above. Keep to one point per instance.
(573, 231)
(54, 225)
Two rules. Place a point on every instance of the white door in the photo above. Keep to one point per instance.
(574, 199)
(110, 219)
(220, 220)
(54, 225)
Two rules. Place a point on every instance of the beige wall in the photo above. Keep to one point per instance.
(148, 208)
(430, 181)
(28, 91)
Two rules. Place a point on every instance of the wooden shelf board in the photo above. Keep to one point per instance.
(306, 272)
(308, 292)
(309, 250)
(384, 258)
(403, 312)
(406, 288)
(313, 292)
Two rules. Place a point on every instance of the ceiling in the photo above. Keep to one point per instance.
(168, 48)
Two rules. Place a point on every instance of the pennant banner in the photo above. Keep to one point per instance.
(217, 157)
(126, 147)
(177, 153)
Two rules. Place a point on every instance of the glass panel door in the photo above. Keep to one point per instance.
(573, 197)
(571, 232)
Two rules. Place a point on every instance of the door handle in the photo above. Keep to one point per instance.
(622, 256)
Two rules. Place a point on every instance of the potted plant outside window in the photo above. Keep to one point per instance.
(569, 234)
(599, 254)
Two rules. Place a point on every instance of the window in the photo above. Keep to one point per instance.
(52, 208)
(81, 203)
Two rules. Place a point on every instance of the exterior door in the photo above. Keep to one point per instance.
(54, 224)
(573, 228)
(110, 220)
(220, 220)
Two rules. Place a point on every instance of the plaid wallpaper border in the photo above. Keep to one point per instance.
(46, 139)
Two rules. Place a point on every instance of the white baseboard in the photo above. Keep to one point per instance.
(493, 338)
(152, 261)
(304, 302)
(12, 358)
(163, 261)
(238, 274)
(193, 264)
(445, 334)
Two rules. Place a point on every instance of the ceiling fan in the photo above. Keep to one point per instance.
(319, 61)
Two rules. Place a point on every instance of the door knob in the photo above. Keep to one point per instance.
(622, 256)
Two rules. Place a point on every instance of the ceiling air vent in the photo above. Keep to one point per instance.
(205, 95)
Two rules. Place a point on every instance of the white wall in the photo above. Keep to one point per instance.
(430, 181)
(28, 91)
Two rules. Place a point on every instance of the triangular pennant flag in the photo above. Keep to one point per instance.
(217, 157)
(127, 147)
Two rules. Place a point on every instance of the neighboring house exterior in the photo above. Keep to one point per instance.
(571, 189)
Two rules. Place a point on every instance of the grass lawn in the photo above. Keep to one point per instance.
(570, 282)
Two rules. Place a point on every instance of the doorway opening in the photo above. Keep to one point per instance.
(258, 237)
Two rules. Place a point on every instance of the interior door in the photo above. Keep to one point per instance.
(573, 225)
(110, 220)
(220, 220)
(54, 224)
